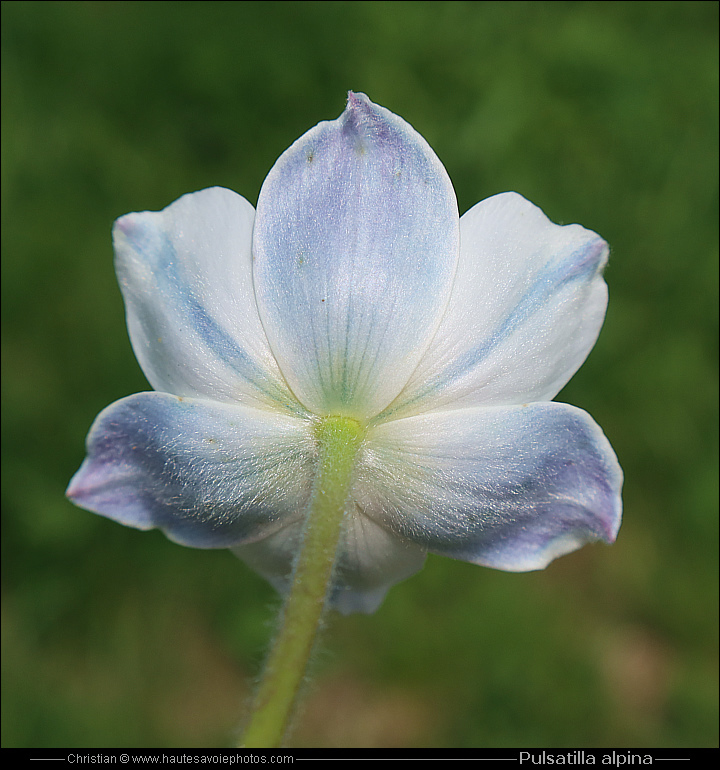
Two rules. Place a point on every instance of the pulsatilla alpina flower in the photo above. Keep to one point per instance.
(356, 290)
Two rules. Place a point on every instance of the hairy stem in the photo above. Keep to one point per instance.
(339, 440)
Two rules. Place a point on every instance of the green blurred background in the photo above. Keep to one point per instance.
(601, 113)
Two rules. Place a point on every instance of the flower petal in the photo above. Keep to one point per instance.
(209, 475)
(507, 487)
(186, 276)
(526, 309)
(370, 561)
(355, 244)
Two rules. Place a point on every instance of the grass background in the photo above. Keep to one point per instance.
(602, 113)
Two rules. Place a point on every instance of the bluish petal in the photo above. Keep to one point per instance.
(209, 475)
(370, 561)
(186, 277)
(526, 309)
(355, 244)
(506, 487)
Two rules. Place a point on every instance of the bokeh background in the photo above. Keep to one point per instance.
(601, 113)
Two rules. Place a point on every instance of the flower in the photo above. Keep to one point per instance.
(356, 290)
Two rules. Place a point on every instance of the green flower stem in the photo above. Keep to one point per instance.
(339, 440)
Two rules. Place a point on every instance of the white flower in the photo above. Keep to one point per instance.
(356, 290)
